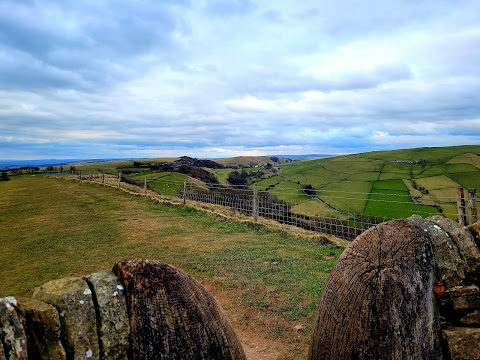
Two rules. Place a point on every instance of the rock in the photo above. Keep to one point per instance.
(113, 323)
(475, 230)
(2, 352)
(467, 248)
(12, 329)
(73, 299)
(463, 343)
(172, 316)
(448, 262)
(471, 318)
(298, 328)
(43, 330)
(462, 298)
(378, 302)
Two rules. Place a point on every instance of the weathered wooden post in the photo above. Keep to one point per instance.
(145, 186)
(119, 179)
(378, 302)
(103, 178)
(172, 316)
(462, 217)
(184, 192)
(472, 205)
(255, 203)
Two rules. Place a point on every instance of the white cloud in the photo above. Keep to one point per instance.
(115, 79)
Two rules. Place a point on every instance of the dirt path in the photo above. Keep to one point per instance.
(255, 345)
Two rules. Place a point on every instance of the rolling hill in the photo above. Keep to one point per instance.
(388, 183)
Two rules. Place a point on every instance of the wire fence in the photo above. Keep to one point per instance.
(305, 208)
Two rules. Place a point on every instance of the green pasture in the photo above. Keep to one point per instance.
(170, 183)
(447, 168)
(391, 204)
(467, 180)
(347, 196)
(346, 181)
(53, 228)
(314, 207)
(468, 158)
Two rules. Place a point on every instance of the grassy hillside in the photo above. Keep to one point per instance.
(391, 183)
(244, 160)
(53, 228)
(168, 183)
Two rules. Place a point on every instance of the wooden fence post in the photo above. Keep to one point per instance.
(145, 186)
(255, 200)
(462, 217)
(103, 178)
(472, 205)
(184, 192)
(119, 179)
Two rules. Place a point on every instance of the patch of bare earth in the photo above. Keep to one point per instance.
(253, 334)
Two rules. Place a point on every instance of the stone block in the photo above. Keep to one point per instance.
(463, 343)
(43, 330)
(73, 299)
(462, 298)
(448, 262)
(113, 322)
(12, 329)
(471, 318)
(466, 245)
(2, 352)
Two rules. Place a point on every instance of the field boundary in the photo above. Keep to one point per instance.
(254, 204)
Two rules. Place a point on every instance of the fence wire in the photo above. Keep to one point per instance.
(261, 203)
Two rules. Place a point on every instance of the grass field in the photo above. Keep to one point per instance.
(245, 160)
(53, 228)
(168, 183)
(375, 182)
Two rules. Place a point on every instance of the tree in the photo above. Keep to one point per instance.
(236, 178)
(4, 176)
(309, 190)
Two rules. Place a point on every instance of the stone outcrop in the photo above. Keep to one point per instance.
(73, 299)
(12, 330)
(463, 343)
(465, 242)
(448, 261)
(112, 317)
(43, 330)
(172, 316)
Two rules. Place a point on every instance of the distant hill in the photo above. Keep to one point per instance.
(251, 161)
(389, 183)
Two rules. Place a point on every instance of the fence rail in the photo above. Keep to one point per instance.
(261, 203)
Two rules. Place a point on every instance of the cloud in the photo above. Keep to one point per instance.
(114, 79)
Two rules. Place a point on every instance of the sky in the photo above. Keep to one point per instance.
(211, 78)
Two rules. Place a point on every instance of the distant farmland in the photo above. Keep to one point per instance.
(386, 184)
(390, 183)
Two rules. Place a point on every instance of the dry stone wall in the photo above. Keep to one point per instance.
(150, 311)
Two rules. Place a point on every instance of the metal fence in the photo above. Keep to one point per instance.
(261, 203)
